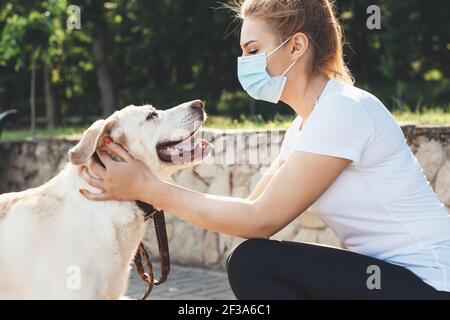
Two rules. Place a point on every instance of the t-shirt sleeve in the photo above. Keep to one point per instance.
(340, 129)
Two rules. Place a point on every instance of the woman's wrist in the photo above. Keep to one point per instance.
(152, 191)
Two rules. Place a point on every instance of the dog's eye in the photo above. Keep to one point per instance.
(152, 115)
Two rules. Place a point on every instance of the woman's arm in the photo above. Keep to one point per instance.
(298, 183)
(290, 192)
(267, 176)
(230, 215)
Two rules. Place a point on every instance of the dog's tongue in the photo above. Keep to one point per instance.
(186, 146)
(190, 151)
(189, 146)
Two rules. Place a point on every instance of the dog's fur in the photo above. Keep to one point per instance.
(56, 244)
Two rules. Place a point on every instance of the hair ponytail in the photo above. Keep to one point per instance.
(315, 18)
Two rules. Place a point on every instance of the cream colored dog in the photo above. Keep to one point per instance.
(56, 244)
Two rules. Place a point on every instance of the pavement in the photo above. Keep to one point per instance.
(184, 283)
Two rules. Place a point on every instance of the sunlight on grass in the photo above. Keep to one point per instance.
(437, 116)
(432, 115)
(225, 123)
(9, 135)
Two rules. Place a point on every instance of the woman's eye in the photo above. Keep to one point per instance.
(253, 51)
(152, 115)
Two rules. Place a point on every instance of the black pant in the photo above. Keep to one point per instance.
(262, 269)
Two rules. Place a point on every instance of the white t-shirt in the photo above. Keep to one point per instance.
(381, 205)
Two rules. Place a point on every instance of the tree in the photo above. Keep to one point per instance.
(93, 12)
(165, 52)
(32, 38)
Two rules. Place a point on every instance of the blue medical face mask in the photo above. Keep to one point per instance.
(253, 76)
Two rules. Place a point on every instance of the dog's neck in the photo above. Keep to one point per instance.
(146, 208)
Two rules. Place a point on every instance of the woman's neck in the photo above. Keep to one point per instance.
(302, 93)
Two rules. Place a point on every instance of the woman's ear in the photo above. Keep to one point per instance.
(84, 150)
(300, 43)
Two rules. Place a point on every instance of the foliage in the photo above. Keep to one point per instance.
(166, 52)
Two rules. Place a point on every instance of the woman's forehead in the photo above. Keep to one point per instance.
(254, 29)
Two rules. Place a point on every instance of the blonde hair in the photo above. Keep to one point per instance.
(315, 18)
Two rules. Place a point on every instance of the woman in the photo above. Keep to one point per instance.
(344, 155)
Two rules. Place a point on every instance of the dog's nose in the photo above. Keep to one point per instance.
(197, 104)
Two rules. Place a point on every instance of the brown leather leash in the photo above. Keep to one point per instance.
(142, 254)
(163, 248)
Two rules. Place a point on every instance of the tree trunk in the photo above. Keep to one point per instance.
(32, 99)
(51, 109)
(104, 78)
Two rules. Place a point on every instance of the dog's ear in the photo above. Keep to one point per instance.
(84, 150)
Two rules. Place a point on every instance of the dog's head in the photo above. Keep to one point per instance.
(162, 139)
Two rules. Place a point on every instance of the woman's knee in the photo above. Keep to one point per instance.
(244, 255)
(244, 267)
(254, 272)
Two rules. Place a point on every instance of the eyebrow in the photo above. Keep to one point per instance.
(248, 42)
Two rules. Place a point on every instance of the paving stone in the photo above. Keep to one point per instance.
(184, 283)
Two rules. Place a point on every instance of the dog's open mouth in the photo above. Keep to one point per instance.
(184, 150)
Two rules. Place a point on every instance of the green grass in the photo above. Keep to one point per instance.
(431, 115)
(428, 116)
(224, 123)
(21, 134)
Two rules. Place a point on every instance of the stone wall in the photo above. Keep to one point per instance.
(235, 173)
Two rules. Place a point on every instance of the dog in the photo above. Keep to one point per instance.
(56, 244)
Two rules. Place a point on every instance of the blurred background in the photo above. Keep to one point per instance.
(166, 52)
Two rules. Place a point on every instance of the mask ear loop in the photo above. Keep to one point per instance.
(290, 67)
(282, 44)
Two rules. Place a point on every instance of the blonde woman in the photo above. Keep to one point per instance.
(343, 155)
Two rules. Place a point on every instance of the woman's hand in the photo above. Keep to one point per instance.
(127, 180)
